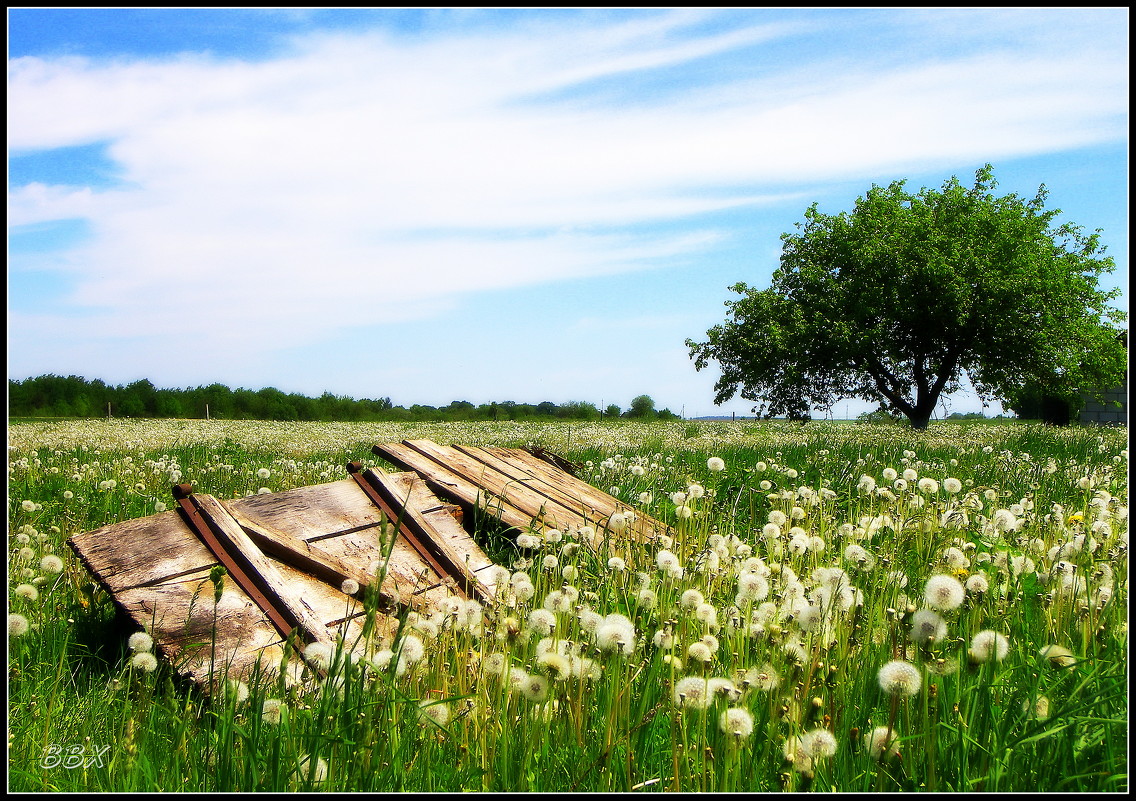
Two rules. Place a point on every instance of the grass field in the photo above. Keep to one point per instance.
(842, 607)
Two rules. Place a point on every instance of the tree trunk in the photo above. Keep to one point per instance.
(919, 421)
(920, 414)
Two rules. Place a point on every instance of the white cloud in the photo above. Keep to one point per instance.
(270, 202)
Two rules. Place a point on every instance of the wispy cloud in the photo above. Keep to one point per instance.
(297, 194)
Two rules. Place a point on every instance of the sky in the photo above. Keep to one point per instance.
(485, 205)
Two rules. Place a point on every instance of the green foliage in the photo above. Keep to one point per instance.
(73, 396)
(880, 415)
(897, 300)
(1057, 576)
(642, 408)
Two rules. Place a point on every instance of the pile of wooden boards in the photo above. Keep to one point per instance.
(298, 564)
(523, 490)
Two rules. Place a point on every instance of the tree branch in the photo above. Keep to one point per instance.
(880, 375)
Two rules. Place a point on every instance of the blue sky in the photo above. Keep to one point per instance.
(436, 205)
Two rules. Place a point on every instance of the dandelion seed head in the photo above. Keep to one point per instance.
(943, 593)
(706, 613)
(534, 688)
(1058, 656)
(691, 692)
(1039, 709)
(736, 722)
(977, 584)
(647, 598)
(819, 743)
(899, 678)
(557, 665)
(752, 587)
(316, 771)
(237, 690)
(928, 485)
(542, 621)
(272, 711)
(881, 742)
(18, 625)
(144, 661)
(797, 757)
(927, 626)
(617, 522)
(666, 560)
(616, 633)
(140, 641)
(51, 564)
(987, 645)
(433, 713)
(699, 651)
(764, 678)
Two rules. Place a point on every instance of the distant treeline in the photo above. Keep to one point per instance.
(56, 396)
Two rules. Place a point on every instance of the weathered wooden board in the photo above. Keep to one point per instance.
(577, 496)
(304, 542)
(524, 491)
(453, 555)
(463, 491)
(297, 548)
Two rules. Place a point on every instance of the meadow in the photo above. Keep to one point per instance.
(842, 607)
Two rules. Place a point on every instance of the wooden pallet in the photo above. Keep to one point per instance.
(524, 491)
(287, 555)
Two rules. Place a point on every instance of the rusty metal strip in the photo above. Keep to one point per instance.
(281, 617)
(434, 556)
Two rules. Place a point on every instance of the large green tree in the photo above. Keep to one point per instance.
(895, 301)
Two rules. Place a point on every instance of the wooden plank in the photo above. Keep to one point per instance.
(589, 509)
(189, 629)
(644, 529)
(317, 511)
(297, 552)
(180, 614)
(447, 559)
(112, 553)
(268, 578)
(531, 503)
(301, 543)
(315, 560)
(446, 521)
(341, 521)
(443, 482)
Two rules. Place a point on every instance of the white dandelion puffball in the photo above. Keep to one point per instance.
(987, 645)
(900, 678)
(943, 593)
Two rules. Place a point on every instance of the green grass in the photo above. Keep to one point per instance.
(794, 668)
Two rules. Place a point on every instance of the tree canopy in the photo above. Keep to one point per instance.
(895, 301)
(73, 396)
